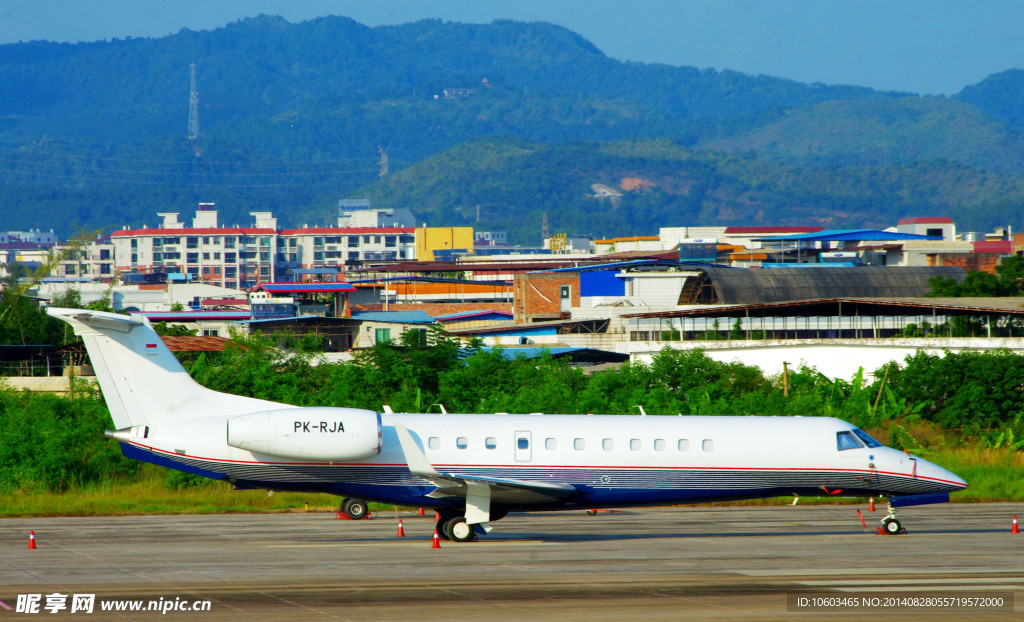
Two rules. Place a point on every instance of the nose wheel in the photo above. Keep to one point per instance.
(891, 525)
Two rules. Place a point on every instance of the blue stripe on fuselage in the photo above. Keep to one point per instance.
(394, 484)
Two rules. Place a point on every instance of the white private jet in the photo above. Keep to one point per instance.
(472, 468)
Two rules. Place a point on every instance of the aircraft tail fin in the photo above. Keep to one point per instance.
(141, 380)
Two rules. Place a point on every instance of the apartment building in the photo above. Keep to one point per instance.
(94, 261)
(242, 257)
(233, 257)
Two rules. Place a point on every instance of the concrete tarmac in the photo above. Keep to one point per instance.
(693, 563)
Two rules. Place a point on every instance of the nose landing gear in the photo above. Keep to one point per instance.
(890, 524)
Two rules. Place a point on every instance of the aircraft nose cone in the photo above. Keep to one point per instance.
(942, 477)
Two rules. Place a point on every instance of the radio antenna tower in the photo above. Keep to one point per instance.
(193, 105)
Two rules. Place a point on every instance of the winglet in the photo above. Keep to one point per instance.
(414, 456)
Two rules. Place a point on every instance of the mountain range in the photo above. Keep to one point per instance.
(494, 125)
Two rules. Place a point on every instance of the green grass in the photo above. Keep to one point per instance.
(150, 494)
(991, 474)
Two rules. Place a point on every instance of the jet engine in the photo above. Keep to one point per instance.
(316, 434)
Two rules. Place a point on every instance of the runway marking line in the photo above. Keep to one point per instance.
(951, 570)
(933, 588)
(853, 583)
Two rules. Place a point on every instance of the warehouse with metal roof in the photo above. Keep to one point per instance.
(759, 286)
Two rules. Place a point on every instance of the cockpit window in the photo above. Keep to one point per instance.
(846, 440)
(867, 440)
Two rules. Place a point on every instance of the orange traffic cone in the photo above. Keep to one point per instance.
(871, 504)
(437, 541)
(31, 540)
(1013, 529)
(421, 513)
(401, 530)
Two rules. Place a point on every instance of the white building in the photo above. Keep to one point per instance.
(242, 257)
(358, 213)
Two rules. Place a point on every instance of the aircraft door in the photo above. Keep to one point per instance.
(524, 453)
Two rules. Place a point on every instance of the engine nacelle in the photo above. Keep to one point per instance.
(317, 434)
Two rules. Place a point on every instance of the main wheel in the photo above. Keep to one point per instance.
(891, 526)
(459, 530)
(355, 508)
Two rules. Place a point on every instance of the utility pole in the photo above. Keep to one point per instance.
(785, 379)
(193, 105)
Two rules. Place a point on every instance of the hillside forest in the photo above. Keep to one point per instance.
(498, 126)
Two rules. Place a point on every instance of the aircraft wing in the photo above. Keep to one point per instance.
(478, 491)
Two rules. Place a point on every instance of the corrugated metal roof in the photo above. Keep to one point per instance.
(926, 220)
(430, 279)
(305, 288)
(192, 316)
(302, 319)
(314, 271)
(769, 230)
(195, 344)
(465, 315)
(847, 235)
(398, 317)
(622, 264)
(854, 306)
(751, 286)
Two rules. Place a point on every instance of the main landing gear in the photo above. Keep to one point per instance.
(454, 527)
(355, 509)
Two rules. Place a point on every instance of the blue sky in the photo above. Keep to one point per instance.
(928, 47)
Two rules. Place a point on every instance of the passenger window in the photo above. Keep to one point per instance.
(491, 442)
(845, 440)
(608, 444)
(523, 443)
(461, 442)
(684, 444)
(659, 444)
(549, 443)
(634, 444)
(579, 444)
(708, 445)
(434, 442)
